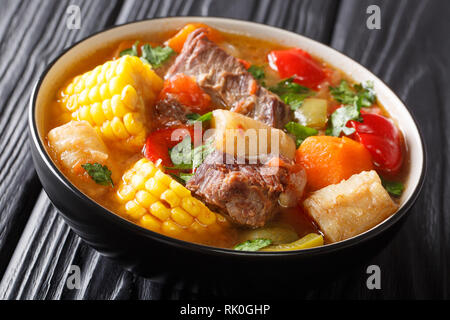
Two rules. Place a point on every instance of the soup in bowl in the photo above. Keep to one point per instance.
(217, 137)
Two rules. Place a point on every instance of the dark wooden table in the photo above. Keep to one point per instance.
(411, 52)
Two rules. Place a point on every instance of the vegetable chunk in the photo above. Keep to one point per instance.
(329, 160)
(351, 207)
(238, 134)
(76, 143)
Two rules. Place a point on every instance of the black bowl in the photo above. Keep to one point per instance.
(148, 253)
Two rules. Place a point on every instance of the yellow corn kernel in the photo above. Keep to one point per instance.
(159, 210)
(147, 169)
(181, 217)
(79, 85)
(91, 79)
(206, 217)
(97, 114)
(118, 128)
(134, 210)
(69, 89)
(126, 193)
(94, 94)
(138, 182)
(85, 114)
(148, 222)
(163, 178)
(191, 205)
(181, 191)
(170, 228)
(130, 97)
(118, 107)
(155, 187)
(133, 126)
(107, 110)
(104, 91)
(116, 85)
(145, 198)
(171, 198)
(107, 130)
(72, 103)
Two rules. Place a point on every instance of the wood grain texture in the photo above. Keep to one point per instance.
(411, 53)
(32, 33)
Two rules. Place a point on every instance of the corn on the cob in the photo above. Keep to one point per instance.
(112, 98)
(157, 202)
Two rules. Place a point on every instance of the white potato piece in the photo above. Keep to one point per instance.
(243, 136)
(350, 207)
(76, 143)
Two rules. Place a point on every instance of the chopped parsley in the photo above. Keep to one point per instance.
(153, 56)
(300, 132)
(253, 245)
(195, 117)
(394, 188)
(156, 56)
(339, 119)
(361, 95)
(133, 51)
(186, 158)
(100, 174)
(257, 72)
(292, 93)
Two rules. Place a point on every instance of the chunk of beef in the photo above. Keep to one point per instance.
(226, 80)
(169, 112)
(248, 193)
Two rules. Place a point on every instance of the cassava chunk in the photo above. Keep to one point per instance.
(75, 144)
(351, 207)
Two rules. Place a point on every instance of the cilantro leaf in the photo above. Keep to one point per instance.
(291, 93)
(200, 153)
(253, 245)
(257, 72)
(300, 132)
(339, 119)
(181, 177)
(194, 117)
(185, 176)
(133, 51)
(365, 93)
(155, 56)
(181, 154)
(394, 188)
(361, 95)
(184, 157)
(100, 174)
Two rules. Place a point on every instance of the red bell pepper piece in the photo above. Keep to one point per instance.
(383, 140)
(298, 64)
(160, 141)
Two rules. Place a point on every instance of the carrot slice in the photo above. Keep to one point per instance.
(178, 40)
(329, 160)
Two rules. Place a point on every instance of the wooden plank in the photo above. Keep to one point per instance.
(32, 34)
